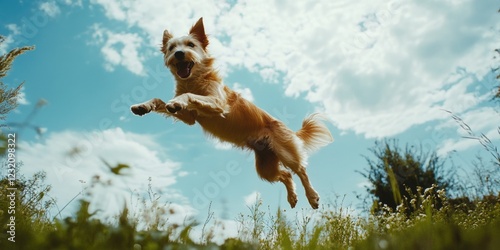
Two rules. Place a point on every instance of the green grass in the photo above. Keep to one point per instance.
(472, 225)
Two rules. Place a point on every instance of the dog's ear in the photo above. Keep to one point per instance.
(199, 32)
(166, 36)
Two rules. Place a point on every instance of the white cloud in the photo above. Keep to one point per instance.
(72, 2)
(4, 46)
(153, 15)
(70, 158)
(245, 92)
(14, 28)
(9, 39)
(120, 49)
(252, 198)
(377, 68)
(50, 8)
(21, 97)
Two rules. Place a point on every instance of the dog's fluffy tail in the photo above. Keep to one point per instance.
(314, 133)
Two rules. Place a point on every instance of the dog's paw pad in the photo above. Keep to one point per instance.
(139, 110)
(172, 108)
(175, 106)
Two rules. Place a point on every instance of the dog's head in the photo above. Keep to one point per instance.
(186, 56)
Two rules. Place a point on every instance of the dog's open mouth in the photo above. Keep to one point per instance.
(184, 68)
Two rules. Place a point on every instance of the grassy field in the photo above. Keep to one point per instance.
(458, 224)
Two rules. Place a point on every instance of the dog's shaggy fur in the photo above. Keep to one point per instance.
(200, 96)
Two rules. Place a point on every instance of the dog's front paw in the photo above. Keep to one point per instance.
(292, 199)
(313, 199)
(140, 109)
(175, 105)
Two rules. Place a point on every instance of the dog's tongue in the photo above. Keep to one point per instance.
(184, 69)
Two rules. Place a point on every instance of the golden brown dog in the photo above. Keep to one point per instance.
(200, 96)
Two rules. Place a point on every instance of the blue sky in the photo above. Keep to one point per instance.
(377, 69)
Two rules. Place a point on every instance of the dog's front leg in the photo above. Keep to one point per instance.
(155, 104)
(158, 106)
(203, 105)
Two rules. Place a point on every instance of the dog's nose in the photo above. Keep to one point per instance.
(179, 55)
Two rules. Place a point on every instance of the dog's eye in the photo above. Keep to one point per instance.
(171, 47)
(190, 44)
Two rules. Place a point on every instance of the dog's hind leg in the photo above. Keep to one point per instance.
(286, 178)
(268, 167)
(286, 145)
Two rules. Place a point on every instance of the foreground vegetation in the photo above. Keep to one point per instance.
(464, 225)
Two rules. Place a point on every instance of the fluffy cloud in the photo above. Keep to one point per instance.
(376, 68)
(72, 159)
(21, 97)
(72, 2)
(245, 92)
(120, 49)
(4, 46)
(50, 8)
(154, 16)
(9, 39)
